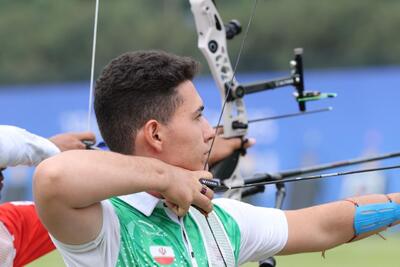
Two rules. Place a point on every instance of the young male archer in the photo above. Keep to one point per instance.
(134, 207)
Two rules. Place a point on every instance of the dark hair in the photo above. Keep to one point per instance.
(134, 88)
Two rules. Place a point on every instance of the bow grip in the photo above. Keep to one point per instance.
(225, 168)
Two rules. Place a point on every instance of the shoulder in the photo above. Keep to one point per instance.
(263, 230)
(103, 250)
(239, 210)
(234, 208)
(250, 217)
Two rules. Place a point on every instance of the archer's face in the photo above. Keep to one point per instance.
(188, 133)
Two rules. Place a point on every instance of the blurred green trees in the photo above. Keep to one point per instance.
(49, 41)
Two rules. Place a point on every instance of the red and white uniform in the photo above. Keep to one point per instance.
(23, 237)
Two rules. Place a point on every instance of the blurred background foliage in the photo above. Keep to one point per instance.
(50, 41)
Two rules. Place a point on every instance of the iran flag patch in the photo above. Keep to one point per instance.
(162, 254)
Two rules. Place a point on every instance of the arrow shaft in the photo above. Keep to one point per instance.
(313, 177)
(322, 167)
(291, 115)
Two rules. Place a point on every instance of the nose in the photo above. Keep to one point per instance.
(209, 132)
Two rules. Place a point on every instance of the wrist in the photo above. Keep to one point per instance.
(164, 174)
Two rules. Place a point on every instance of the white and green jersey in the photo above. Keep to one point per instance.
(138, 230)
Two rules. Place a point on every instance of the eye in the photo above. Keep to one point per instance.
(199, 116)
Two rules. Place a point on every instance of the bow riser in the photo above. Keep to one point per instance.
(212, 43)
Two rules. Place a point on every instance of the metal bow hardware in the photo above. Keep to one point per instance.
(212, 35)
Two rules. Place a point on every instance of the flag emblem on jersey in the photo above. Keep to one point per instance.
(162, 254)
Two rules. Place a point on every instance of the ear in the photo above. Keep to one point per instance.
(152, 134)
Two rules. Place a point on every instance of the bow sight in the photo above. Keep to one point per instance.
(296, 79)
(235, 90)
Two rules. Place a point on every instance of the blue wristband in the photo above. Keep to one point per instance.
(375, 216)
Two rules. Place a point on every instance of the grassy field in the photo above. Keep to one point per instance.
(372, 252)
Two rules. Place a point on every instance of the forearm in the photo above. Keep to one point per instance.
(79, 179)
(322, 227)
(69, 187)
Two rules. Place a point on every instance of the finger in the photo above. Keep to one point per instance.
(80, 145)
(179, 211)
(203, 202)
(172, 207)
(237, 143)
(203, 190)
(85, 136)
(182, 211)
(234, 143)
(208, 192)
(249, 142)
(201, 211)
(203, 174)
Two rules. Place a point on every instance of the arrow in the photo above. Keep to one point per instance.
(216, 185)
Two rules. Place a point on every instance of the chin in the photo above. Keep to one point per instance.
(188, 165)
(199, 167)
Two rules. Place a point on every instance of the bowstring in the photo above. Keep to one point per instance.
(91, 90)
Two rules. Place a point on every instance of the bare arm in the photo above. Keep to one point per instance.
(326, 226)
(68, 189)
